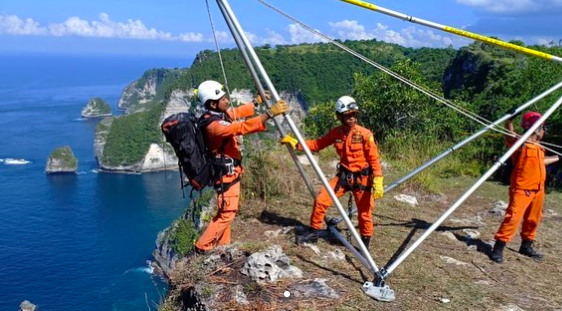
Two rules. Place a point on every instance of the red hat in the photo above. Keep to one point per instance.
(529, 119)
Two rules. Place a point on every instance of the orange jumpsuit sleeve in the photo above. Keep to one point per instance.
(226, 129)
(372, 154)
(244, 111)
(316, 145)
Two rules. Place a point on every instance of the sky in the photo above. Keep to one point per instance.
(182, 28)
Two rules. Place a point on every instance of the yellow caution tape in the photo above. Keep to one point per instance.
(364, 4)
(498, 42)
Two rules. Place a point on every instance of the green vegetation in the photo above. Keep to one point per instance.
(100, 106)
(130, 137)
(483, 79)
(412, 128)
(66, 156)
(320, 72)
(184, 232)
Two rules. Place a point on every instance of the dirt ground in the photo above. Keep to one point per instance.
(450, 270)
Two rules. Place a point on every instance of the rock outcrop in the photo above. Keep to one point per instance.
(96, 108)
(27, 306)
(142, 91)
(166, 254)
(61, 160)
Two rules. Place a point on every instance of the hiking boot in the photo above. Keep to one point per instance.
(332, 222)
(366, 240)
(497, 252)
(311, 236)
(527, 250)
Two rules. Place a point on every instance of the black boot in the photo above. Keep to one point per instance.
(310, 236)
(366, 240)
(527, 250)
(497, 252)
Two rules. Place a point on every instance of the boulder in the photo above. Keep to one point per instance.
(61, 160)
(315, 288)
(27, 306)
(269, 266)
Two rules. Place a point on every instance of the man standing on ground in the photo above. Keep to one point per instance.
(526, 191)
(225, 150)
(359, 169)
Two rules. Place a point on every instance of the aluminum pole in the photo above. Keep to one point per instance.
(482, 179)
(261, 90)
(453, 30)
(465, 141)
(226, 10)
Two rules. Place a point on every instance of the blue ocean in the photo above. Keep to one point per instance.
(84, 241)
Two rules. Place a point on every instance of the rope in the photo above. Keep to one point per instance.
(219, 53)
(471, 115)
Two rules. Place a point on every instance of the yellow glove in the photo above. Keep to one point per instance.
(278, 108)
(258, 100)
(289, 140)
(378, 188)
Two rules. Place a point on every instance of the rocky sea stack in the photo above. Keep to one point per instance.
(62, 160)
(96, 108)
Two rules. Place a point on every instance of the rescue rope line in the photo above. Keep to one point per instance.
(467, 113)
(219, 54)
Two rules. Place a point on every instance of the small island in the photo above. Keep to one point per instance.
(96, 108)
(62, 161)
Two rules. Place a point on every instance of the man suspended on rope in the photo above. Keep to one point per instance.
(221, 139)
(359, 169)
(526, 193)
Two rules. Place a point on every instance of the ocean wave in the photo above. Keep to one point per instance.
(81, 173)
(149, 269)
(12, 161)
(94, 171)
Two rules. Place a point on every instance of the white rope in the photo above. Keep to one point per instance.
(219, 54)
(471, 115)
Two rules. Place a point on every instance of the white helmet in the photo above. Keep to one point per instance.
(346, 104)
(210, 90)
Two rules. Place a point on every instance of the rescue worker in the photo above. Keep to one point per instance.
(225, 148)
(359, 169)
(526, 191)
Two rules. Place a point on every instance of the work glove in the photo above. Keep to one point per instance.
(289, 140)
(512, 112)
(378, 188)
(258, 100)
(278, 108)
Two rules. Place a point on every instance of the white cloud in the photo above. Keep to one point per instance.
(106, 28)
(13, 25)
(411, 36)
(515, 6)
(102, 28)
(299, 35)
(190, 37)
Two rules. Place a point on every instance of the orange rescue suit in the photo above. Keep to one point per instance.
(224, 132)
(357, 151)
(526, 193)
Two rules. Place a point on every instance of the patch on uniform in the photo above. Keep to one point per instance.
(357, 138)
(337, 140)
(372, 139)
(225, 123)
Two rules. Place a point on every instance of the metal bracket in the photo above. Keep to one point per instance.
(378, 289)
(380, 293)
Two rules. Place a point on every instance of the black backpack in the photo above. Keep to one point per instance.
(185, 133)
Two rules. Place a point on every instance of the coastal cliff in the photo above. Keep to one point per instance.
(61, 161)
(96, 108)
(132, 143)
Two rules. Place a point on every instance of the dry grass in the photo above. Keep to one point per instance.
(424, 277)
